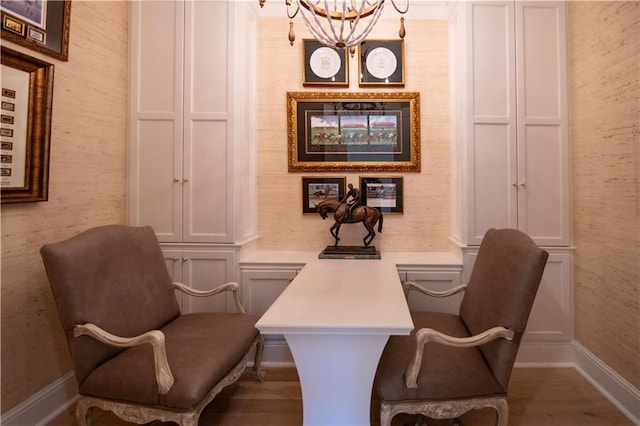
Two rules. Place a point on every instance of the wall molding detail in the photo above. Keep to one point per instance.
(45, 405)
(614, 387)
(58, 396)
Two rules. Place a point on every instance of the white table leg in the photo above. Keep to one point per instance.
(336, 375)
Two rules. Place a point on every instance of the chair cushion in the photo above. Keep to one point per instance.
(446, 372)
(201, 349)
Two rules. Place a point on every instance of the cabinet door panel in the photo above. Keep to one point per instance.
(491, 77)
(158, 200)
(540, 59)
(552, 313)
(204, 270)
(208, 55)
(206, 195)
(494, 197)
(543, 149)
(155, 130)
(261, 288)
(542, 198)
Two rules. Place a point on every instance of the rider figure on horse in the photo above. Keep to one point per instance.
(353, 200)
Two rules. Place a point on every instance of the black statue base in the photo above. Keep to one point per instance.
(349, 252)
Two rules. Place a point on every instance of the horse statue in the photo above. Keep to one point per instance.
(369, 216)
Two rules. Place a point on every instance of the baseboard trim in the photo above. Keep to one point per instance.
(58, 396)
(45, 405)
(538, 354)
(613, 386)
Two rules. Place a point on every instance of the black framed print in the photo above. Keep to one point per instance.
(381, 63)
(383, 193)
(324, 66)
(317, 189)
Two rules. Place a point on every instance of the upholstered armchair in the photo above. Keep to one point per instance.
(133, 352)
(452, 363)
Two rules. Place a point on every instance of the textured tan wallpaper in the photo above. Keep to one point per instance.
(426, 223)
(605, 102)
(87, 188)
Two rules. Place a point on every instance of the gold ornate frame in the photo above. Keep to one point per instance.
(35, 143)
(308, 151)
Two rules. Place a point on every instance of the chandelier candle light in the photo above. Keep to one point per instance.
(327, 19)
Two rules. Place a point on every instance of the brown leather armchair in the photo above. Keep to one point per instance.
(452, 363)
(133, 352)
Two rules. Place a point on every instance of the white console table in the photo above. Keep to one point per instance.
(337, 316)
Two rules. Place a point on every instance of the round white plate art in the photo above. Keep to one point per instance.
(381, 63)
(325, 62)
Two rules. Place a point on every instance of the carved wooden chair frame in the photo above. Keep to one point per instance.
(141, 414)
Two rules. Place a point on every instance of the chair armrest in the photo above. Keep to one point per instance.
(155, 338)
(230, 286)
(410, 285)
(425, 335)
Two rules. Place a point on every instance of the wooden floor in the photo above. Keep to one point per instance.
(537, 397)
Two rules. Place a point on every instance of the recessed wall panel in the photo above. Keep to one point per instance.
(492, 188)
(156, 187)
(541, 210)
(540, 53)
(208, 58)
(491, 73)
(157, 66)
(207, 194)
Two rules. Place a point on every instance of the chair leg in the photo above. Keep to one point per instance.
(385, 414)
(257, 362)
(84, 415)
(502, 409)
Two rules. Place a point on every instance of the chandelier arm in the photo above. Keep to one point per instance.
(356, 21)
(318, 31)
(290, 16)
(367, 29)
(402, 12)
(333, 30)
(330, 36)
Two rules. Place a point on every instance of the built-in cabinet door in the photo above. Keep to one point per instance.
(490, 132)
(207, 147)
(542, 123)
(202, 270)
(516, 130)
(181, 142)
(156, 117)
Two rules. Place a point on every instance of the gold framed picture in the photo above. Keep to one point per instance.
(354, 131)
(27, 97)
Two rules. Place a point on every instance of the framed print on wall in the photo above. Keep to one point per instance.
(384, 193)
(381, 63)
(353, 131)
(41, 25)
(27, 96)
(317, 189)
(324, 66)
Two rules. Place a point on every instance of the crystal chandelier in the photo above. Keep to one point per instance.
(335, 22)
